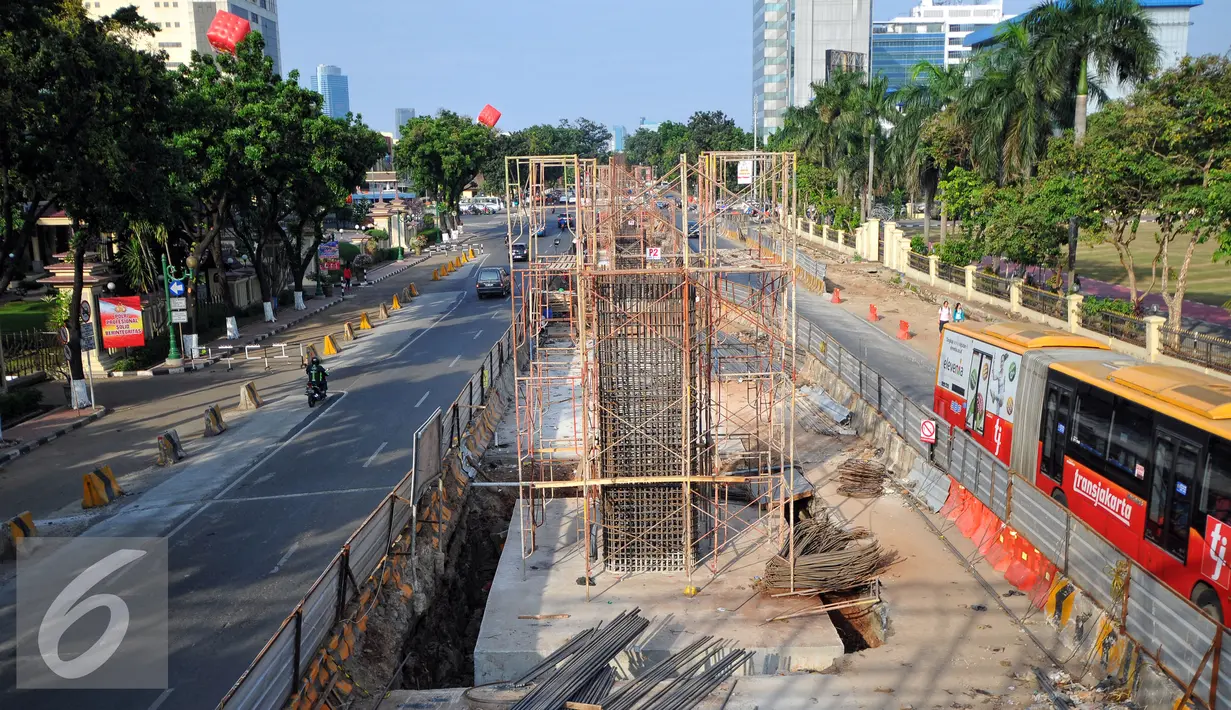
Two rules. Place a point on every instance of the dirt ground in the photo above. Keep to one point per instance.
(864, 284)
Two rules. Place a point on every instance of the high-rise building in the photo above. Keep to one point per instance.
(934, 32)
(400, 118)
(617, 139)
(183, 24)
(797, 43)
(1170, 22)
(334, 87)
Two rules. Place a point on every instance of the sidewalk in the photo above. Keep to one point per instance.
(48, 478)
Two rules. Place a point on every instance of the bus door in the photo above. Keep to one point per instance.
(1057, 414)
(1172, 490)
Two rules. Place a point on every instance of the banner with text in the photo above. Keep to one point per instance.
(120, 318)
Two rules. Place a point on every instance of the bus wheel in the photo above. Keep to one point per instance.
(1058, 496)
(1207, 599)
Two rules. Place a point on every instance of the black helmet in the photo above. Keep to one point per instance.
(316, 360)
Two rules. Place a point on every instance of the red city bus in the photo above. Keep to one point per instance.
(1140, 452)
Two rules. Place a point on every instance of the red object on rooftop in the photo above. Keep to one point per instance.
(227, 31)
(489, 116)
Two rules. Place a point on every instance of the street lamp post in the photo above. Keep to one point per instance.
(170, 273)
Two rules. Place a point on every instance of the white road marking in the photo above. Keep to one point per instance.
(425, 394)
(240, 479)
(477, 333)
(281, 561)
(455, 359)
(264, 478)
(439, 318)
(305, 494)
(375, 453)
(161, 699)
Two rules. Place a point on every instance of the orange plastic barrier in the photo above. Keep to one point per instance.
(972, 518)
(1004, 550)
(903, 330)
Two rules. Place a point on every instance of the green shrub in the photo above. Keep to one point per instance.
(1092, 306)
(918, 244)
(959, 251)
(348, 252)
(19, 402)
(431, 235)
(145, 357)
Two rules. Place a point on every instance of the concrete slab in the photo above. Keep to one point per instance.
(728, 606)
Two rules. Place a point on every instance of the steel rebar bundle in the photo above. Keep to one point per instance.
(828, 558)
(861, 479)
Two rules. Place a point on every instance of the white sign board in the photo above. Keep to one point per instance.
(179, 304)
(744, 172)
(179, 316)
(927, 431)
(654, 253)
(87, 338)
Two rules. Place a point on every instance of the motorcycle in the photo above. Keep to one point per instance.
(315, 393)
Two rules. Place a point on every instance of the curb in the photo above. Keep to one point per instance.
(29, 446)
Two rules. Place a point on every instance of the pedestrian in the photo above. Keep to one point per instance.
(346, 276)
(959, 314)
(945, 315)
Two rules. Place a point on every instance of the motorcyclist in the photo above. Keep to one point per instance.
(317, 374)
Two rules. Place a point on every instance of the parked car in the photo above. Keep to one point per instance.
(520, 252)
(492, 281)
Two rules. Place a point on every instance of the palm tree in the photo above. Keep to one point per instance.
(1012, 106)
(871, 107)
(1070, 35)
(933, 89)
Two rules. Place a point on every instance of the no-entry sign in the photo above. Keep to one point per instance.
(927, 431)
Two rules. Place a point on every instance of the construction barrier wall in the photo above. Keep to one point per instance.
(279, 669)
(1134, 609)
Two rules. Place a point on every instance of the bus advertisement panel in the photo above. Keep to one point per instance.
(976, 390)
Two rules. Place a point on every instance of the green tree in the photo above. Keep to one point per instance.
(1070, 35)
(441, 154)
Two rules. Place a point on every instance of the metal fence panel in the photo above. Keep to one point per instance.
(1043, 521)
(957, 459)
(1091, 560)
(850, 369)
(913, 416)
(871, 387)
(319, 612)
(929, 483)
(369, 544)
(988, 465)
(891, 406)
(268, 683)
(429, 449)
(1001, 481)
(944, 444)
(1224, 676)
(1165, 624)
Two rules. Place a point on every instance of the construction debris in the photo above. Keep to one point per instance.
(861, 479)
(580, 674)
(828, 558)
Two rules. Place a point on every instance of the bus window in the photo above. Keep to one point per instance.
(1171, 492)
(1130, 440)
(1216, 487)
(1055, 430)
(1091, 427)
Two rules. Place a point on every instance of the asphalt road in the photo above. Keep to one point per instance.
(241, 559)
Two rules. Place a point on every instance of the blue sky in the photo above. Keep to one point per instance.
(543, 60)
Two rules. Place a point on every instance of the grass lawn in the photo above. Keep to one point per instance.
(1208, 282)
(24, 315)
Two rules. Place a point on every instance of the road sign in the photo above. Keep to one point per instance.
(179, 316)
(744, 172)
(177, 287)
(64, 335)
(654, 253)
(927, 431)
(179, 304)
(85, 311)
(87, 339)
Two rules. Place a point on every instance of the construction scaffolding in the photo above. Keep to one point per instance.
(661, 342)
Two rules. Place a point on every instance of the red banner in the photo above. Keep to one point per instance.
(121, 322)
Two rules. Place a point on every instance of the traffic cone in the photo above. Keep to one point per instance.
(436, 274)
(872, 314)
(397, 305)
(903, 330)
(837, 296)
(364, 323)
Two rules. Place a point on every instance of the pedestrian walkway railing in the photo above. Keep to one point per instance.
(918, 262)
(1119, 326)
(276, 672)
(1133, 603)
(952, 274)
(993, 285)
(1052, 304)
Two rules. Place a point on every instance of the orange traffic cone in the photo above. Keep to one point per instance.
(837, 296)
(903, 330)
(872, 314)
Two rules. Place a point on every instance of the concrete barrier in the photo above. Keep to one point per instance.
(169, 448)
(309, 352)
(383, 313)
(331, 346)
(214, 423)
(15, 535)
(397, 305)
(348, 333)
(249, 398)
(413, 290)
(99, 488)
(436, 274)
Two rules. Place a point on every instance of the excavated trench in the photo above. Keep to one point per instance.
(439, 648)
